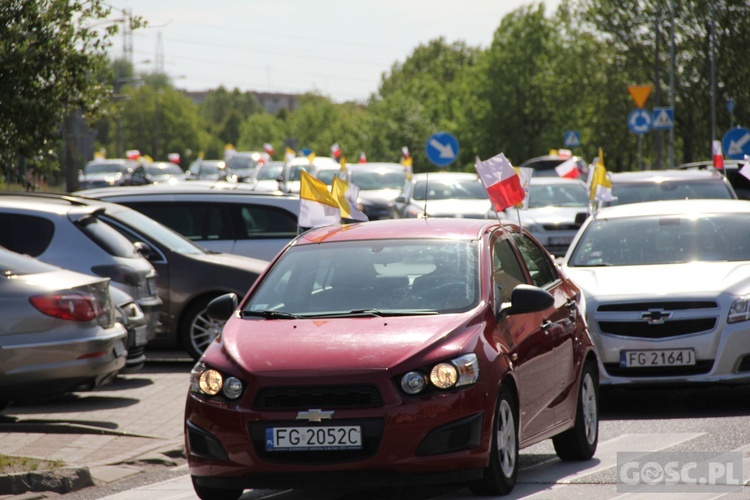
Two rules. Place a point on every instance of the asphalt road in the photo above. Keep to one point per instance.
(714, 419)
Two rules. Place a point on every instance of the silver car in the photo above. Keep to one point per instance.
(58, 332)
(235, 221)
(667, 290)
(71, 236)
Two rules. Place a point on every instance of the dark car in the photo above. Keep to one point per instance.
(189, 277)
(103, 173)
(379, 184)
(157, 172)
(58, 332)
(394, 351)
(730, 170)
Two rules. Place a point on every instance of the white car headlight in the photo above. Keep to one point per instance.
(740, 310)
(457, 372)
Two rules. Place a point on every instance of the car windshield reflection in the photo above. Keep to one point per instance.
(663, 240)
(359, 278)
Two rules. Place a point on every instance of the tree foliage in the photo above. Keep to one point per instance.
(50, 59)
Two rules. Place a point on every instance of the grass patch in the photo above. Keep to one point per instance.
(12, 465)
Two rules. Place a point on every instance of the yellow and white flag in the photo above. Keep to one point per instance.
(317, 206)
(600, 187)
(289, 154)
(346, 195)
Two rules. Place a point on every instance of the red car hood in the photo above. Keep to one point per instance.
(335, 344)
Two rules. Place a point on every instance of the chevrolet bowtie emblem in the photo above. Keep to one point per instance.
(314, 415)
(656, 316)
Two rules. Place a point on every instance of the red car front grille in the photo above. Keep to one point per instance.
(329, 397)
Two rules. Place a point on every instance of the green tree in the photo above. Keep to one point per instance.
(221, 112)
(50, 57)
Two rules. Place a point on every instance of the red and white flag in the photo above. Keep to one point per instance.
(501, 181)
(174, 158)
(268, 148)
(568, 169)
(133, 154)
(718, 155)
(362, 157)
(336, 151)
(405, 152)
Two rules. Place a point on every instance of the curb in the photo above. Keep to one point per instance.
(64, 480)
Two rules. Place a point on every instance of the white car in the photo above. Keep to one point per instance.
(442, 194)
(666, 286)
(556, 209)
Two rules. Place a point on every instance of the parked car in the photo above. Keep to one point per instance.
(103, 173)
(379, 184)
(442, 194)
(72, 236)
(211, 170)
(544, 166)
(405, 350)
(189, 277)
(266, 178)
(243, 165)
(667, 287)
(292, 172)
(236, 221)
(652, 185)
(157, 172)
(556, 208)
(58, 332)
(130, 315)
(731, 171)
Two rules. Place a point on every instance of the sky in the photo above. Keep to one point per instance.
(337, 48)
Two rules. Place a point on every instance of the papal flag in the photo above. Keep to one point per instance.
(600, 187)
(317, 207)
(346, 195)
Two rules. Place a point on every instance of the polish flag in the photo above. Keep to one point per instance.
(362, 157)
(718, 155)
(174, 158)
(501, 181)
(268, 148)
(568, 169)
(336, 151)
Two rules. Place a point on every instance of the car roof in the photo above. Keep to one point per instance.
(182, 189)
(672, 207)
(663, 175)
(443, 174)
(427, 228)
(53, 204)
(374, 166)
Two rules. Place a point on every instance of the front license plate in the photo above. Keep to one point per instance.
(314, 438)
(662, 357)
(141, 337)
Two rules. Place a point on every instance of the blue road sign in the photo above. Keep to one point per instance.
(639, 121)
(736, 143)
(442, 149)
(663, 118)
(572, 138)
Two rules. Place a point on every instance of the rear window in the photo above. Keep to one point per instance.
(16, 264)
(107, 238)
(669, 190)
(26, 234)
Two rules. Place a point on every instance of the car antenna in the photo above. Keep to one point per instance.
(426, 190)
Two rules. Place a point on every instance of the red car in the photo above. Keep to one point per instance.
(397, 351)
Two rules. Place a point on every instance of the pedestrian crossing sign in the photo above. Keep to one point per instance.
(572, 139)
(663, 119)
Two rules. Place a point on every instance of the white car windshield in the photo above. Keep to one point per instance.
(384, 277)
(669, 239)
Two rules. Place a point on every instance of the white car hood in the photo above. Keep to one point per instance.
(694, 278)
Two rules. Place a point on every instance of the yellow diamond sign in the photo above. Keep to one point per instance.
(640, 93)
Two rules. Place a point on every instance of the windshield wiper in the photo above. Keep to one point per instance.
(369, 313)
(271, 314)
